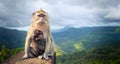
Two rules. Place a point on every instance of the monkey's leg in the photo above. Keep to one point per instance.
(47, 48)
(51, 52)
(42, 48)
(45, 55)
(27, 48)
(27, 43)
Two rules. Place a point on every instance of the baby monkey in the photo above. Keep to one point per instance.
(38, 44)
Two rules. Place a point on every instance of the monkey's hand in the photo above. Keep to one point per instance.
(25, 56)
(45, 56)
(40, 56)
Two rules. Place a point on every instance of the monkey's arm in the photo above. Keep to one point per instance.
(49, 49)
(27, 43)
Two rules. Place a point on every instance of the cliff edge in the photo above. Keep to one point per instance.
(17, 59)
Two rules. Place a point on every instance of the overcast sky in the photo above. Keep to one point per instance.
(75, 13)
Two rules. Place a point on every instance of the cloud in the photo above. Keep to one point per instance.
(76, 13)
(13, 13)
(93, 3)
(114, 14)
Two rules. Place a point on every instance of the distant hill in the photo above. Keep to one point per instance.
(70, 39)
(12, 38)
(76, 39)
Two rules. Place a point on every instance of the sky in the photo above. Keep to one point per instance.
(17, 14)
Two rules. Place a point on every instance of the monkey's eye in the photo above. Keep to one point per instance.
(41, 15)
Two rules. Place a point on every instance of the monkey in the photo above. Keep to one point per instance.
(40, 22)
(37, 39)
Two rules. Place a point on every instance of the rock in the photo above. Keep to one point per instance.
(17, 59)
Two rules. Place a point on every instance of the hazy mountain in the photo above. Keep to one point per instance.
(69, 39)
(12, 38)
(63, 29)
(87, 38)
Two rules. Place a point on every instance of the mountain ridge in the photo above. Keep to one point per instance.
(85, 37)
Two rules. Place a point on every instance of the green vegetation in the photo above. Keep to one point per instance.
(12, 38)
(105, 55)
(78, 46)
(6, 53)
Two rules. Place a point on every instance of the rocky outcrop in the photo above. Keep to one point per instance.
(17, 59)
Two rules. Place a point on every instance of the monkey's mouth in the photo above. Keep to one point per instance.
(40, 22)
(39, 40)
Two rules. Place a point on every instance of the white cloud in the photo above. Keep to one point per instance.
(62, 13)
(114, 13)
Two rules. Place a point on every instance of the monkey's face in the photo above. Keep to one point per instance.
(40, 17)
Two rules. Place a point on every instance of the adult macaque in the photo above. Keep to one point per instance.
(40, 24)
